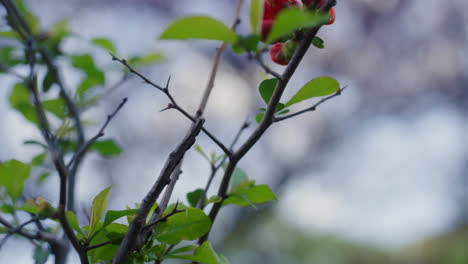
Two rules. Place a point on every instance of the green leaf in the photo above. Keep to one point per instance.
(320, 86)
(7, 57)
(49, 79)
(256, 15)
(107, 147)
(148, 59)
(249, 43)
(19, 100)
(199, 27)
(41, 254)
(250, 196)
(105, 43)
(38, 159)
(74, 224)
(187, 225)
(112, 215)
(42, 177)
(259, 117)
(292, 19)
(204, 254)
(13, 174)
(318, 42)
(94, 76)
(10, 34)
(266, 89)
(56, 106)
(183, 249)
(98, 208)
(194, 197)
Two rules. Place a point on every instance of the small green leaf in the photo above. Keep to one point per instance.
(42, 177)
(318, 42)
(284, 112)
(259, 117)
(112, 215)
(10, 34)
(266, 89)
(202, 153)
(38, 159)
(248, 197)
(107, 147)
(41, 254)
(292, 19)
(187, 225)
(20, 101)
(105, 43)
(94, 76)
(99, 205)
(49, 79)
(71, 217)
(13, 174)
(56, 106)
(199, 27)
(256, 15)
(204, 254)
(320, 86)
(148, 59)
(194, 197)
(213, 199)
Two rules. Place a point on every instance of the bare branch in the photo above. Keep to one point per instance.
(309, 109)
(173, 104)
(79, 154)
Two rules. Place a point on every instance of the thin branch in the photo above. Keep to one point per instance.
(309, 109)
(173, 104)
(79, 154)
(99, 245)
(15, 230)
(41, 236)
(258, 58)
(138, 222)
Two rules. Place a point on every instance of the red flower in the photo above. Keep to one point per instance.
(271, 8)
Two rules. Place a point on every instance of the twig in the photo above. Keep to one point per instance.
(99, 245)
(309, 109)
(15, 230)
(173, 104)
(79, 154)
(258, 58)
(138, 222)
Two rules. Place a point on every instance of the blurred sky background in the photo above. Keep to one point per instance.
(384, 164)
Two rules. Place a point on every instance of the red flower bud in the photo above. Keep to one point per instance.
(282, 53)
(332, 15)
(276, 55)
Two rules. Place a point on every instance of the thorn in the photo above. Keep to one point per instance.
(168, 81)
(169, 106)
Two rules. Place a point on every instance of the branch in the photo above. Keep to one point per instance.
(309, 109)
(173, 104)
(268, 118)
(138, 222)
(80, 153)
